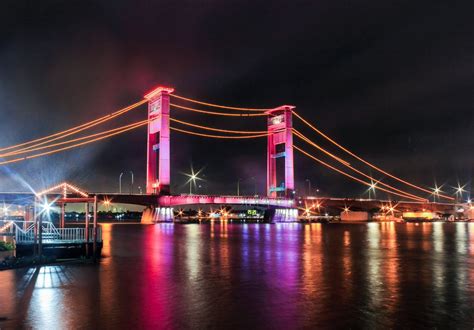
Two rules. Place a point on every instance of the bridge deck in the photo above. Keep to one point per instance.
(22, 198)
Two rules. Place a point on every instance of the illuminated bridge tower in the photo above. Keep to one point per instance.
(280, 145)
(158, 153)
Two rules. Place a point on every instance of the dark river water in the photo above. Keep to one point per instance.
(247, 276)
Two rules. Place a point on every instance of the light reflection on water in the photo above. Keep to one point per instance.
(225, 275)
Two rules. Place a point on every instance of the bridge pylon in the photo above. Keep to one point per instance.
(280, 145)
(158, 146)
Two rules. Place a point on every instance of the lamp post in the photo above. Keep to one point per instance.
(120, 183)
(193, 176)
(372, 188)
(436, 192)
(460, 190)
(238, 186)
(191, 181)
(309, 187)
(131, 185)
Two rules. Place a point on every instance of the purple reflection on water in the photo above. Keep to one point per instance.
(225, 275)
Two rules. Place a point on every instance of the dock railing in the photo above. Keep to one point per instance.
(51, 234)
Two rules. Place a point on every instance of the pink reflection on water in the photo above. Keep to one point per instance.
(155, 275)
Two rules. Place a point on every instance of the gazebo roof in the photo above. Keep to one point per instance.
(64, 189)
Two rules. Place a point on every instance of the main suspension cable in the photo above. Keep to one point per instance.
(113, 132)
(217, 105)
(219, 136)
(218, 113)
(217, 129)
(72, 146)
(355, 178)
(74, 130)
(364, 161)
(19, 152)
(304, 138)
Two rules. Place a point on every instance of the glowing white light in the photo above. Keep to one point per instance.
(460, 189)
(277, 120)
(46, 207)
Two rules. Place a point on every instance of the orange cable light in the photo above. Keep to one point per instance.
(218, 113)
(75, 129)
(219, 136)
(304, 138)
(71, 141)
(355, 178)
(218, 106)
(70, 147)
(364, 161)
(217, 129)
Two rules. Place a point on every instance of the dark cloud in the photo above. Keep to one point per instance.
(391, 80)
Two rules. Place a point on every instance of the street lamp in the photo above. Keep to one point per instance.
(309, 187)
(459, 191)
(436, 192)
(120, 183)
(238, 186)
(193, 180)
(193, 177)
(243, 180)
(131, 186)
(372, 188)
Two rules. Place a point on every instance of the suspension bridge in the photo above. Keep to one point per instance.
(285, 130)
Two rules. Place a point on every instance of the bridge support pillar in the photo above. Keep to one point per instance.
(282, 215)
(158, 147)
(280, 145)
(163, 214)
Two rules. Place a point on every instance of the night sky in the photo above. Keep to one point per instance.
(391, 80)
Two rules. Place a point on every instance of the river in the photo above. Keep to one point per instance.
(277, 276)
